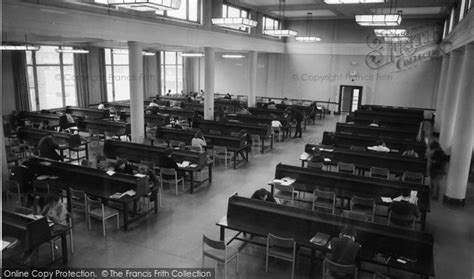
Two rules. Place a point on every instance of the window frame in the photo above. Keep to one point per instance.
(226, 6)
(177, 65)
(34, 67)
(112, 66)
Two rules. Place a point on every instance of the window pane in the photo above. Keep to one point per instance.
(179, 70)
(193, 10)
(107, 56)
(162, 59)
(160, 12)
(32, 93)
(121, 81)
(179, 58)
(121, 59)
(31, 80)
(170, 72)
(234, 12)
(180, 13)
(244, 13)
(224, 10)
(49, 87)
(70, 94)
(110, 92)
(29, 58)
(163, 87)
(47, 55)
(170, 58)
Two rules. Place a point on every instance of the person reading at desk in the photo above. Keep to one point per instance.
(271, 105)
(44, 125)
(168, 162)
(47, 148)
(55, 210)
(403, 206)
(344, 249)
(437, 161)
(123, 166)
(153, 103)
(198, 140)
(264, 195)
(244, 111)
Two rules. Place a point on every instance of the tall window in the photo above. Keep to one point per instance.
(451, 20)
(231, 11)
(171, 72)
(118, 78)
(462, 11)
(270, 23)
(51, 78)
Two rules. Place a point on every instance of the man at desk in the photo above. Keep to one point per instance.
(403, 206)
(123, 166)
(47, 148)
(55, 210)
(168, 162)
(264, 195)
(344, 249)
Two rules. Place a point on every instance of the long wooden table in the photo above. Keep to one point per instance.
(226, 128)
(136, 152)
(348, 140)
(259, 218)
(346, 185)
(364, 160)
(251, 119)
(38, 117)
(88, 112)
(236, 145)
(366, 117)
(94, 182)
(414, 112)
(118, 128)
(156, 119)
(380, 131)
(33, 136)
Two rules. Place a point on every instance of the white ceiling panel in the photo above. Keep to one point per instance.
(304, 13)
(275, 2)
(412, 10)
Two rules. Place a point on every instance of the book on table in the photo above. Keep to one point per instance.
(320, 239)
(285, 181)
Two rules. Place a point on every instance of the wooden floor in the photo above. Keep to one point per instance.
(173, 238)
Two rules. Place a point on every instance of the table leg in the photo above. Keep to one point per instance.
(423, 221)
(87, 151)
(69, 200)
(271, 143)
(312, 261)
(192, 183)
(210, 173)
(302, 163)
(222, 234)
(235, 160)
(263, 144)
(125, 216)
(155, 193)
(64, 247)
(272, 188)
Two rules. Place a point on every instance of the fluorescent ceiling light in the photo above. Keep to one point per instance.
(146, 5)
(148, 53)
(233, 56)
(280, 33)
(353, 1)
(192, 54)
(234, 22)
(379, 20)
(70, 50)
(22, 47)
(396, 39)
(120, 51)
(390, 32)
(308, 39)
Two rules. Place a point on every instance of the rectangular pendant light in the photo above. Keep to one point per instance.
(308, 39)
(70, 50)
(353, 1)
(234, 22)
(280, 33)
(379, 20)
(19, 47)
(148, 53)
(233, 56)
(396, 39)
(390, 32)
(146, 5)
(192, 54)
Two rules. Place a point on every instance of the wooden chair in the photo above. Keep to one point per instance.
(175, 180)
(355, 215)
(363, 205)
(315, 165)
(219, 251)
(409, 219)
(381, 173)
(13, 188)
(74, 143)
(340, 269)
(281, 248)
(278, 133)
(221, 153)
(346, 168)
(53, 242)
(324, 200)
(97, 210)
(256, 143)
(78, 199)
(413, 177)
(284, 192)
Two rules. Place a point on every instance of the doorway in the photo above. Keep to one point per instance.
(350, 98)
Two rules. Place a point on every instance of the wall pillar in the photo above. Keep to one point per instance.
(463, 138)
(252, 93)
(448, 114)
(441, 91)
(5, 174)
(137, 116)
(209, 63)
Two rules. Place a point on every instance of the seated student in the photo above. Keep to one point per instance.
(55, 210)
(244, 110)
(344, 249)
(47, 148)
(153, 103)
(168, 162)
(271, 105)
(228, 96)
(145, 170)
(199, 140)
(101, 106)
(374, 123)
(264, 195)
(168, 93)
(316, 161)
(403, 206)
(276, 123)
(380, 146)
(45, 125)
(410, 152)
(284, 101)
(123, 166)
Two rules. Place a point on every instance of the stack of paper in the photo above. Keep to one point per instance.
(327, 160)
(320, 239)
(120, 195)
(387, 199)
(183, 164)
(414, 197)
(110, 172)
(42, 177)
(304, 156)
(285, 181)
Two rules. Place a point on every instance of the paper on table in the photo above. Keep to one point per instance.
(327, 160)
(183, 164)
(193, 165)
(304, 156)
(5, 244)
(110, 172)
(326, 150)
(42, 177)
(140, 175)
(387, 199)
(285, 181)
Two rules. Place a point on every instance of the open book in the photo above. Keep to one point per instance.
(285, 181)
(183, 164)
(320, 239)
(304, 156)
(120, 195)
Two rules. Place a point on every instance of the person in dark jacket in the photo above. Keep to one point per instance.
(405, 208)
(123, 166)
(264, 195)
(168, 162)
(345, 249)
(298, 117)
(437, 160)
(47, 148)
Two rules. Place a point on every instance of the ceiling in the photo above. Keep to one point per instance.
(298, 9)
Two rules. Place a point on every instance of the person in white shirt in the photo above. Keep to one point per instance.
(198, 140)
(153, 103)
(276, 124)
(101, 106)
